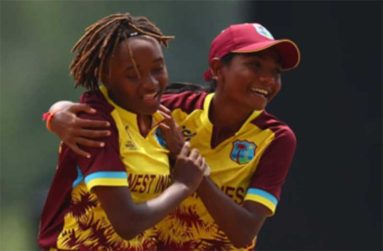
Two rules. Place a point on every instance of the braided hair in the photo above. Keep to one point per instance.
(178, 87)
(99, 42)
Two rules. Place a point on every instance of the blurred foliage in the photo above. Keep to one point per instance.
(36, 38)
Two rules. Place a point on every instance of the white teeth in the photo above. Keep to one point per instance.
(261, 91)
(151, 95)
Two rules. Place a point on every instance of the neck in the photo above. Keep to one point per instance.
(225, 115)
(144, 124)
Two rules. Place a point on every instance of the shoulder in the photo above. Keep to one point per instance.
(96, 100)
(280, 129)
(187, 101)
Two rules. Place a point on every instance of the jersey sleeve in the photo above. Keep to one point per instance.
(187, 101)
(269, 177)
(104, 167)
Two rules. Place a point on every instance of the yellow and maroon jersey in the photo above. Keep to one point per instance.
(250, 165)
(72, 218)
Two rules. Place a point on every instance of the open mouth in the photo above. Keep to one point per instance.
(260, 91)
(151, 96)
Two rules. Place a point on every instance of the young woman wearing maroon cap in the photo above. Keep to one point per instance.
(249, 151)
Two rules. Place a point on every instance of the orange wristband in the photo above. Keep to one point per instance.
(47, 117)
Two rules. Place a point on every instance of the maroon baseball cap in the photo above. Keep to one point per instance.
(248, 38)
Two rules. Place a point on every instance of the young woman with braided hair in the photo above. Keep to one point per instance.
(113, 198)
(248, 150)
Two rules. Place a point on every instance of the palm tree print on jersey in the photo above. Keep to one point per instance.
(87, 230)
(243, 151)
(218, 243)
(83, 203)
(182, 229)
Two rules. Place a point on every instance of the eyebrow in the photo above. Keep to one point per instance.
(262, 55)
(131, 67)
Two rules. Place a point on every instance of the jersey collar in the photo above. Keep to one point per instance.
(209, 125)
(127, 115)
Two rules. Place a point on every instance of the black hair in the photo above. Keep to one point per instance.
(178, 87)
(99, 41)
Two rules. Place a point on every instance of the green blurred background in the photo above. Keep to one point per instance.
(332, 199)
(36, 38)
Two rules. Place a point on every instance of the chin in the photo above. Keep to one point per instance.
(151, 110)
(259, 106)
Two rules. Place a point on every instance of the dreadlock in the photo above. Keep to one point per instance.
(100, 40)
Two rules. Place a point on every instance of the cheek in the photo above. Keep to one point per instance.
(243, 74)
(163, 79)
(233, 75)
(128, 88)
(277, 88)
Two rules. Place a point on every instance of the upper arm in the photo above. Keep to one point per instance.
(106, 176)
(269, 177)
(263, 193)
(119, 207)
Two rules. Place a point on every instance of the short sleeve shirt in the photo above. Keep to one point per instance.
(73, 218)
(250, 165)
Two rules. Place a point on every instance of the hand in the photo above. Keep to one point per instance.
(189, 168)
(171, 132)
(74, 131)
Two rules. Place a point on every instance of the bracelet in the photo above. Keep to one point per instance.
(47, 117)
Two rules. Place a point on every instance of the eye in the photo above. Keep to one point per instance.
(132, 77)
(158, 70)
(255, 66)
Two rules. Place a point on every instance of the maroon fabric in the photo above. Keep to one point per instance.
(58, 201)
(187, 101)
(251, 37)
(275, 162)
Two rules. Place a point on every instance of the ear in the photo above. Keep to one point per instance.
(216, 68)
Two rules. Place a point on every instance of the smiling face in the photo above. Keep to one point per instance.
(137, 84)
(249, 81)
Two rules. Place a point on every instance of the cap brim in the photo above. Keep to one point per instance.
(287, 49)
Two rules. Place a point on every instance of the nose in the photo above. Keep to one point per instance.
(150, 83)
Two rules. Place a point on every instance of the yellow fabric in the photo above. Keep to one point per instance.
(146, 163)
(143, 157)
(191, 221)
(106, 182)
(262, 200)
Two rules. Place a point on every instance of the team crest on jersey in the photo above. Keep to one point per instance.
(243, 151)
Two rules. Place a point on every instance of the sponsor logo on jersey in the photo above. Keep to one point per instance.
(187, 133)
(243, 151)
(129, 142)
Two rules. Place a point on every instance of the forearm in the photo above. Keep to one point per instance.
(151, 212)
(237, 222)
(130, 219)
